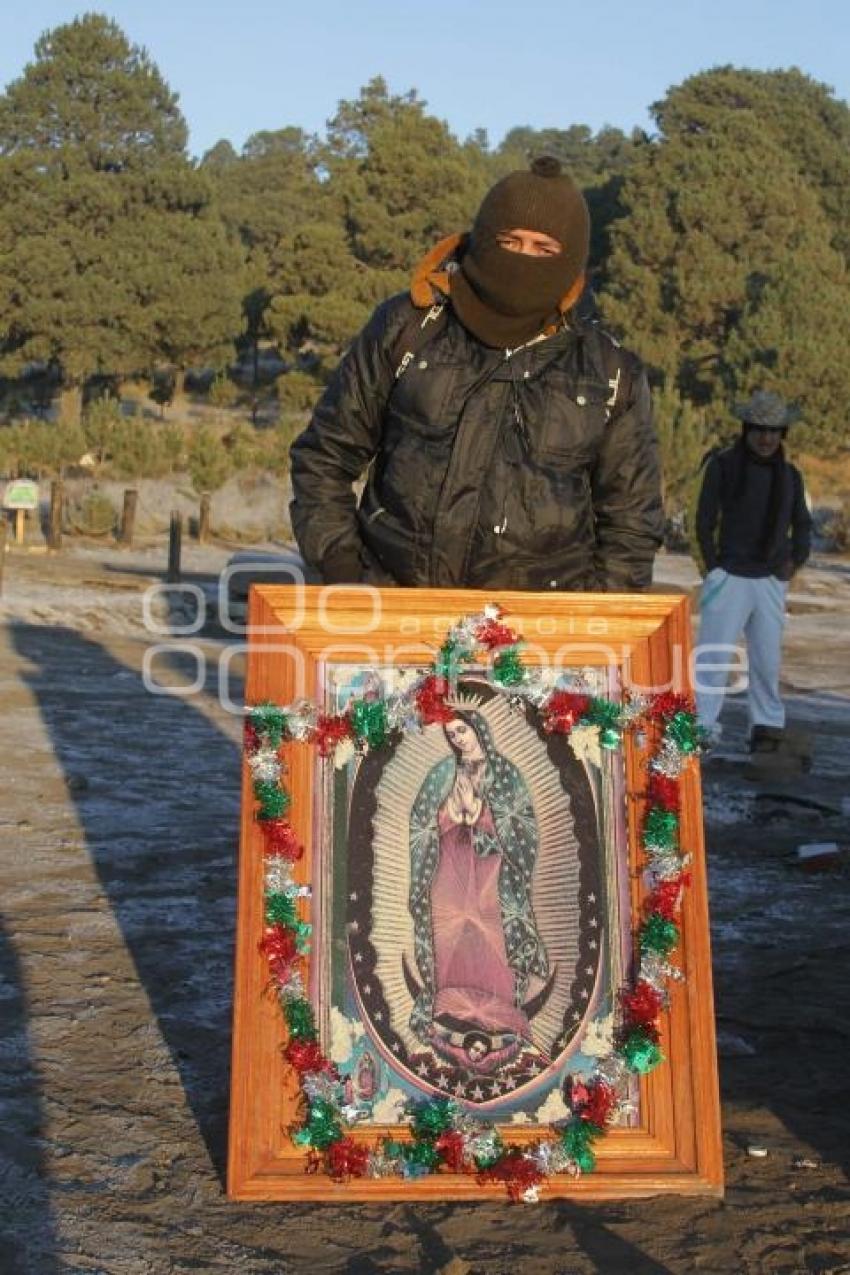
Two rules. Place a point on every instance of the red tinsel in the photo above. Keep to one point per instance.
(250, 736)
(642, 1004)
(329, 731)
(347, 1159)
(666, 896)
(517, 1173)
(562, 710)
(667, 704)
(278, 946)
(663, 791)
(450, 1146)
(306, 1055)
(599, 1103)
(281, 840)
(431, 701)
(493, 634)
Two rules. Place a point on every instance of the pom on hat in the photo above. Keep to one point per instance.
(546, 166)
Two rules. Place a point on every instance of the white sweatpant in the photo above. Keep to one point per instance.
(731, 605)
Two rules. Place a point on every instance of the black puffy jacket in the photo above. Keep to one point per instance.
(534, 469)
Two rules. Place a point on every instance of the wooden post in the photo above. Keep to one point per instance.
(204, 519)
(54, 522)
(175, 544)
(20, 521)
(4, 531)
(128, 516)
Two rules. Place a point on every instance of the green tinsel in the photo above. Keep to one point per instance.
(433, 1117)
(322, 1126)
(446, 662)
(641, 1052)
(659, 935)
(577, 1138)
(303, 930)
(270, 722)
(369, 721)
(422, 1155)
(605, 715)
(449, 659)
(661, 828)
(273, 800)
(280, 909)
(299, 1019)
(507, 667)
(685, 732)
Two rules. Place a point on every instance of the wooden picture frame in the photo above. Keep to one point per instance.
(641, 642)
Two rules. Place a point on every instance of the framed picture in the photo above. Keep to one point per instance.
(472, 944)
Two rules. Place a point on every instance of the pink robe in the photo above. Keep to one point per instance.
(473, 982)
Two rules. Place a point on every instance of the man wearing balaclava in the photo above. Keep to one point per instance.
(506, 443)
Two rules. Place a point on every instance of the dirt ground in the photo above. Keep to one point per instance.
(118, 832)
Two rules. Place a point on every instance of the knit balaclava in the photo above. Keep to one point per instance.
(505, 298)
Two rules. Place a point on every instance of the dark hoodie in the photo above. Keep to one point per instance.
(752, 519)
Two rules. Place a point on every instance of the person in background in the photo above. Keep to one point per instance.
(754, 532)
(506, 443)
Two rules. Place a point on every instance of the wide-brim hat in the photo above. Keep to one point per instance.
(767, 410)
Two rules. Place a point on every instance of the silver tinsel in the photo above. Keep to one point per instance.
(301, 719)
(538, 691)
(466, 1123)
(550, 1157)
(293, 988)
(353, 1113)
(656, 970)
(380, 1165)
(278, 876)
(653, 971)
(633, 709)
(319, 1085)
(399, 709)
(613, 1070)
(664, 862)
(533, 690)
(486, 1146)
(265, 766)
(669, 760)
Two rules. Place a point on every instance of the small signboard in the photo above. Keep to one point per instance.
(21, 493)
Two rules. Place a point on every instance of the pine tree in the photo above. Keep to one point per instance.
(724, 273)
(112, 259)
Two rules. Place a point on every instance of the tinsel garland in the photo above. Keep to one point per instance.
(443, 1135)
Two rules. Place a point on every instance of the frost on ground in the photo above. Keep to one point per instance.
(118, 832)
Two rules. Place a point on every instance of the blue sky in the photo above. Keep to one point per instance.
(262, 64)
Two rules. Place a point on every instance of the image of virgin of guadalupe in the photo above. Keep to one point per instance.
(473, 847)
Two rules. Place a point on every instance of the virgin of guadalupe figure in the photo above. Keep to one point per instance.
(473, 845)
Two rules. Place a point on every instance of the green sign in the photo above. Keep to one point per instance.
(21, 494)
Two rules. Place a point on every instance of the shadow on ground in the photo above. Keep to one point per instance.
(155, 785)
